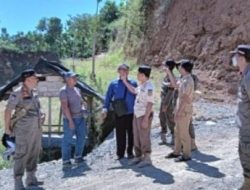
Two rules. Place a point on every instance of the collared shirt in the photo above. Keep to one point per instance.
(74, 99)
(117, 90)
(145, 95)
(186, 87)
(243, 112)
(18, 102)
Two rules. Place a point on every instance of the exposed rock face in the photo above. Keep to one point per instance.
(13, 63)
(204, 31)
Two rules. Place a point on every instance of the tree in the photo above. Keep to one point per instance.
(80, 32)
(54, 31)
(42, 25)
(4, 34)
(109, 12)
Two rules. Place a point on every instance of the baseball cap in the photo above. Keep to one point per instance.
(243, 50)
(70, 74)
(123, 66)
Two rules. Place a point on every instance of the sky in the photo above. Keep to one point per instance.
(23, 15)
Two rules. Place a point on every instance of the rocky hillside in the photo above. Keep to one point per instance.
(204, 31)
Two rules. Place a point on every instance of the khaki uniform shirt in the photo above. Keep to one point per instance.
(186, 87)
(144, 96)
(17, 102)
(243, 113)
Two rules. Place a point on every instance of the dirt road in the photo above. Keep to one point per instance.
(214, 167)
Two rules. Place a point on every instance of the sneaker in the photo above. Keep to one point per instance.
(144, 163)
(67, 164)
(134, 161)
(172, 155)
(182, 159)
(79, 160)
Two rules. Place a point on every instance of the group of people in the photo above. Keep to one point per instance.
(25, 124)
(176, 110)
(133, 106)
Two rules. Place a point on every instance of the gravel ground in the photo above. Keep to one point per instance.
(214, 167)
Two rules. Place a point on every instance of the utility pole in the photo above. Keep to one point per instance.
(93, 75)
(74, 51)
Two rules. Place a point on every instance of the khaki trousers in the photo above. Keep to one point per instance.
(182, 136)
(28, 136)
(142, 141)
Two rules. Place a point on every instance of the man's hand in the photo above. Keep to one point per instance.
(104, 115)
(145, 122)
(71, 124)
(176, 117)
(42, 119)
(164, 109)
(166, 69)
(124, 78)
(8, 131)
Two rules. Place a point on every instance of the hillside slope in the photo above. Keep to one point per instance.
(204, 31)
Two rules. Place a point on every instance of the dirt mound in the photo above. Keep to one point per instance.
(204, 31)
(13, 63)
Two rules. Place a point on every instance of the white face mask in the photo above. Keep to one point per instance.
(234, 61)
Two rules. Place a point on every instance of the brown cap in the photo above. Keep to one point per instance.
(28, 73)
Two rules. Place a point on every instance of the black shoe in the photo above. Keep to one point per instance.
(119, 157)
(130, 156)
(182, 159)
(172, 155)
(162, 143)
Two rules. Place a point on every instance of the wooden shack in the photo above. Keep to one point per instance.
(53, 73)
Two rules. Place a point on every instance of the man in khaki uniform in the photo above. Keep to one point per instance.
(241, 59)
(166, 109)
(183, 113)
(191, 126)
(143, 116)
(27, 129)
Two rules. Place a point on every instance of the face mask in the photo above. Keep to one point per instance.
(234, 61)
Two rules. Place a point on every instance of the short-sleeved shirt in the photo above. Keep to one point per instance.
(145, 95)
(186, 87)
(243, 112)
(17, 102)
(74, 99)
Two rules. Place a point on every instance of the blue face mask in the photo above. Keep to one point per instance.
(234, 61)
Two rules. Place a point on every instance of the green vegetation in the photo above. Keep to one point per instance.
(115, 27)
(106, 68)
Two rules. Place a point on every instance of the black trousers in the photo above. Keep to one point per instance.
(124, 135)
